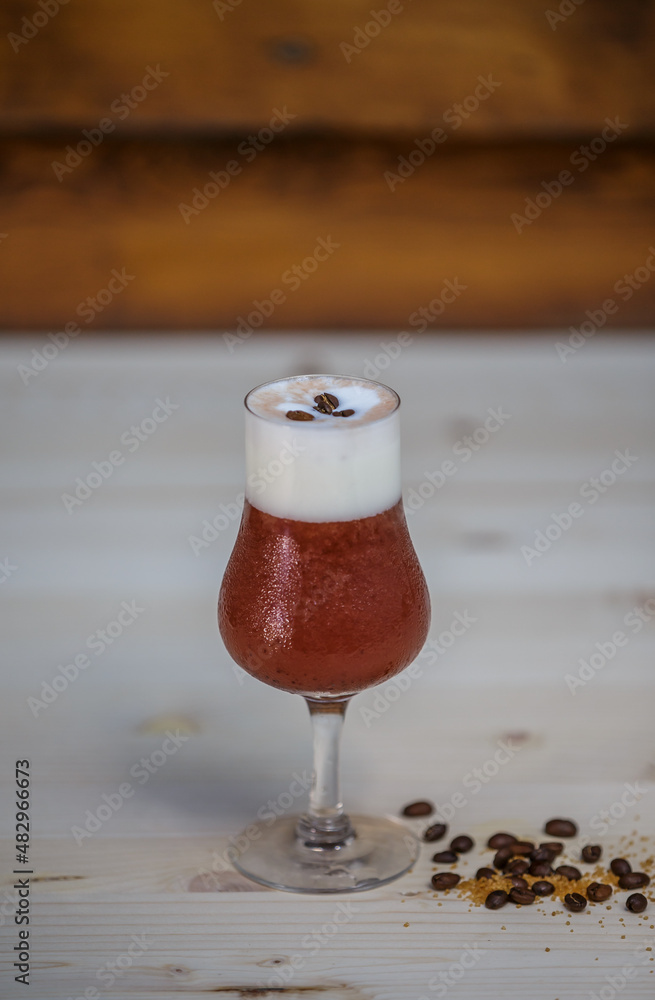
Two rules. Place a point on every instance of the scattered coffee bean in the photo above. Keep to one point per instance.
(598, 892)
(620, 866)
(518, 866)
(444, 858)
(485, 873)
(500, 840)
(540, 868)
(420, 808)
(636, 903)
(522, 897)
(568, 871)
(522, 847)
(591, 853)
(445, 880)
(518, 882)
(298, 415)
(554, 846)
(561, 828)
(343, 413)
(575, 902)
(543, 888)
(501, 857)
(461, 844)
(541, 854)
(633, 880)
(326, 402)
(435, 832)
(496, 899)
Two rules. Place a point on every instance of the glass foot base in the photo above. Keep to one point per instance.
(380, 851)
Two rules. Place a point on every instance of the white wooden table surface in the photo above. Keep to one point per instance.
(125, 911)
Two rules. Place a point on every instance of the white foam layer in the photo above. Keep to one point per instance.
(329, 468)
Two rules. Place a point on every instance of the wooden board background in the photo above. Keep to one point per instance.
(141, 873)
(59, 239)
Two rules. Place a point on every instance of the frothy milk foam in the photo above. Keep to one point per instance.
(330, 468)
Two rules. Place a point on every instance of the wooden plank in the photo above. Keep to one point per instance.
(229, 68)
(452, 219)
(154, 878)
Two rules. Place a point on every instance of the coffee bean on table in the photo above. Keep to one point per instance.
(518, 866)
(568, 871)
(522, 897)
(554, 846)
(575, 902)
(620, 866)
(543, 888)
(633, 880)
(496, 899)
(591, 853)
(636, 903)
(485, 873)
(561, 828)
(445, 880)
(444, 857)
(435, 832)
(419, 808)
(522, 847)
(500, 840)
(598, 892)
(541, 854)
(461, 844)
(502, 857)
(518, 882)
(540, 868)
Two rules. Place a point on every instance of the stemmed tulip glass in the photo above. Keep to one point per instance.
(323, 596)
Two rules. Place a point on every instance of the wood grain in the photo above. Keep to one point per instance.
(155, 877)
(450, 219)
(227, 73)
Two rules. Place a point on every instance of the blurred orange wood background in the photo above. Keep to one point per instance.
(464, 142)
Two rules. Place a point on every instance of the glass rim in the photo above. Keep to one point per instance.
(354, 378)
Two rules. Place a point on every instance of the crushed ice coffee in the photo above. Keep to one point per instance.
(323, 594)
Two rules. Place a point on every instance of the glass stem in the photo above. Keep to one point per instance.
(325, 824)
